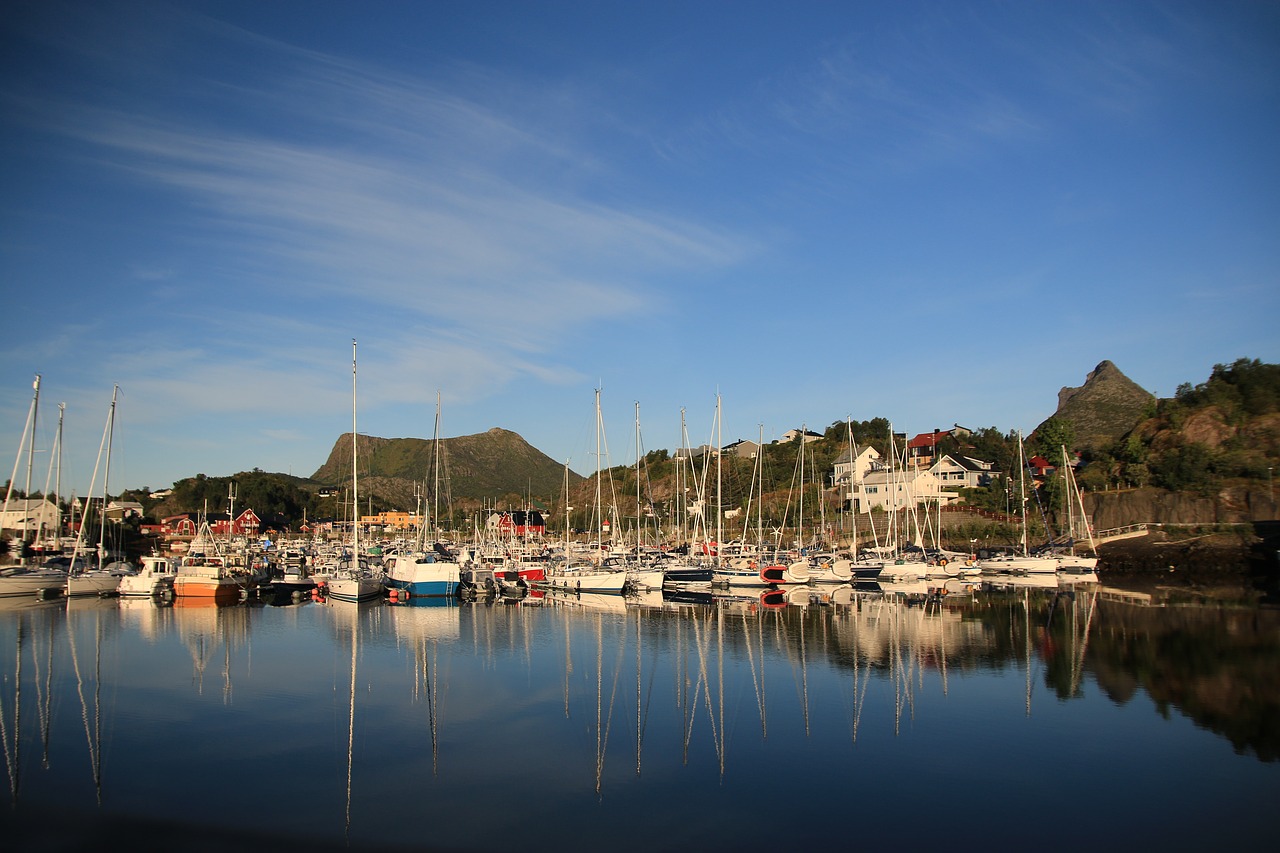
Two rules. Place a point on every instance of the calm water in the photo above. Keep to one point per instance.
(1014, 718)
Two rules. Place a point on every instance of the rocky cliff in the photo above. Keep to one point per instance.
(1241, 504)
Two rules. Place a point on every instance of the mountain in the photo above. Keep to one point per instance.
(486, 465)
(1104, 409)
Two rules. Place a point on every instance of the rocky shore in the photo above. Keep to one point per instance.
(1200, 557)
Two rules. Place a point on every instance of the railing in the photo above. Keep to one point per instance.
(1127, 530)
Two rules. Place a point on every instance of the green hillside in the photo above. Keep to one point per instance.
(487, 465)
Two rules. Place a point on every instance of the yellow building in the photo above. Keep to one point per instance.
(393, 520)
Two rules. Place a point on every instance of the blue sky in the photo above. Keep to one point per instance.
(935, 213)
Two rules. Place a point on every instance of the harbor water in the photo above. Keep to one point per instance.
(1012, 715)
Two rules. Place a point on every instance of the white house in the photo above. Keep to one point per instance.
(793, 434)
(891, 490)
(30, 515)
(850, 470)
(120, 510)
(955, 473)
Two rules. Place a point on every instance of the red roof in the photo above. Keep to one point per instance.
(1039, 463)
(928, 439)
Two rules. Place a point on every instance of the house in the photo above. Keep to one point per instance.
(962, 472)
(390, 520)
(120, 510)
(517, 522)
(792, 434)
(178, 525)
(893, 490)
(849, 470)
(923, 449)
(742, 449)
(246, 523)
(1040, 468)
(30, 515)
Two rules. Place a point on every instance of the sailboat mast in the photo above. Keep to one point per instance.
(684, 477)
(599, 497)
(804, 428)
(719, 483)
(106, 475)
(1022, 492)
(638, 536)
(435, 484)
(759, 501)
(57, 483)
(355, 471)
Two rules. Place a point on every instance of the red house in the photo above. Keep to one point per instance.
(178, 525)
(518, 523)
(1040, 467)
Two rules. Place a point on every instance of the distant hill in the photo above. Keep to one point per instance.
(1104, 409)
(487, 465)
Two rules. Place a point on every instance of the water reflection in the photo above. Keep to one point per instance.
(685, 703)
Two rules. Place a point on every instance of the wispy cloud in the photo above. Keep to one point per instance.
(402, 199)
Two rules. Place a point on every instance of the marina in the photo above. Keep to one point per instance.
(911, 713)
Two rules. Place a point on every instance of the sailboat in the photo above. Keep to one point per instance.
(640, 574)
(1071, 562)
(353, 580)
(426, 571)
(590, 576)
(100, 580)
(1023, 562)
(22, 579)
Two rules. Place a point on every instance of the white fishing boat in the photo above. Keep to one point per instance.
(154, 577)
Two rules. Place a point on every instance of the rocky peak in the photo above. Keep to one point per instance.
(1104, 408)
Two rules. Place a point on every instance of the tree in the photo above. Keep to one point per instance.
(1053, 435)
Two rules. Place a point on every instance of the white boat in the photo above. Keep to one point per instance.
(426, 571)
(642, 578)
(353, 580)
(423, 573)
(1019, 563)
(586, 578)
(102, 580)
(590, 576)
(23, 580)
(354, 587)
(741, 571)
(1071, 562)
(154, 577)
(1024, 561)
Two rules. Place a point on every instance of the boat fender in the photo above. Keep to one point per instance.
(969, 563)
(942, 562)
